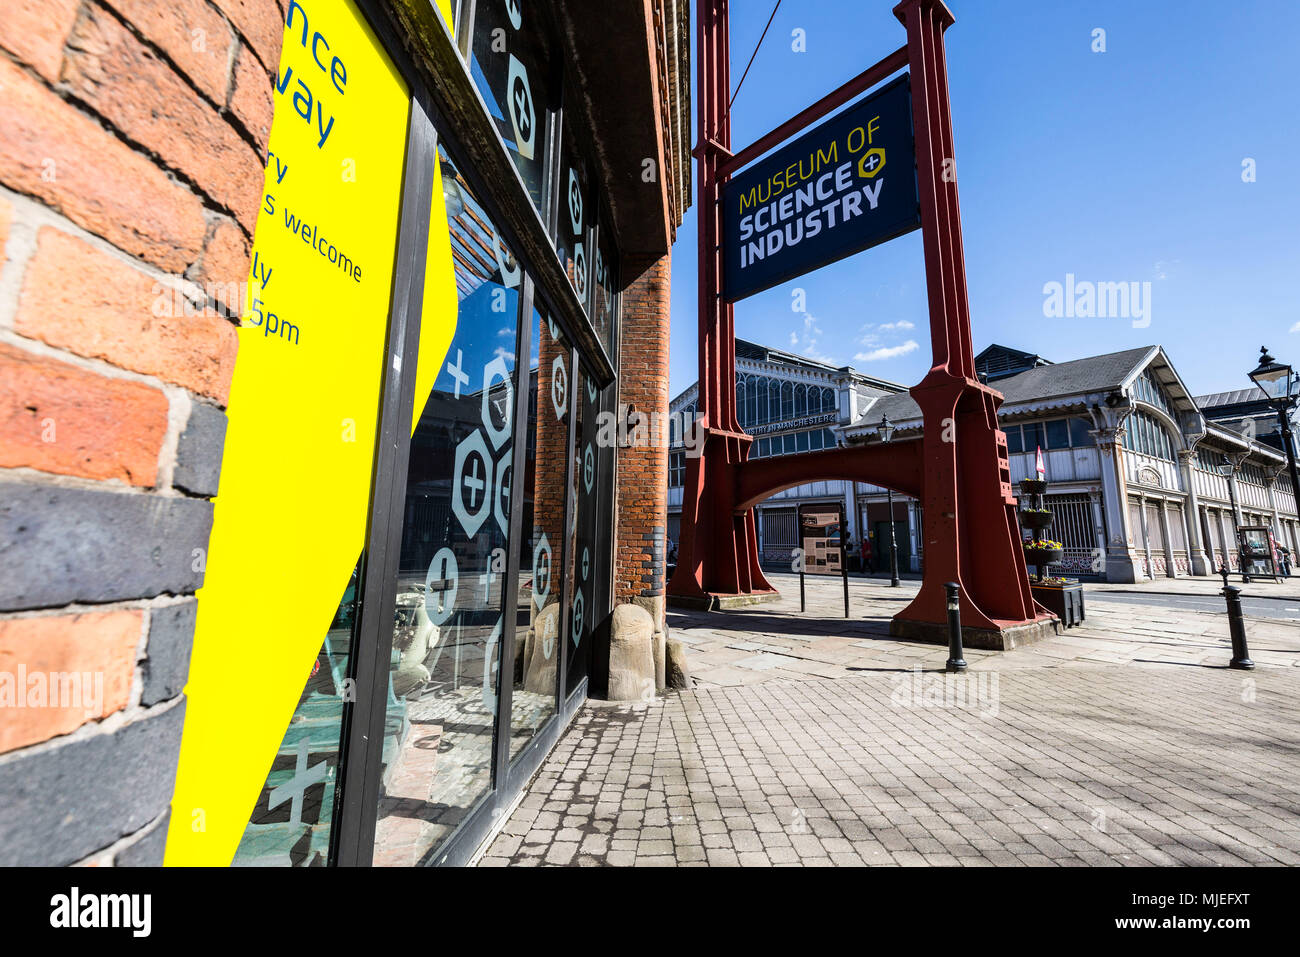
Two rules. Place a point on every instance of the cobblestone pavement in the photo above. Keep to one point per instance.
(1126, 765)
(1124, 743)
(775, 641)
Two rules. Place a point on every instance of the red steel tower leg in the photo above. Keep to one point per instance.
(718, 552)
(971, 536)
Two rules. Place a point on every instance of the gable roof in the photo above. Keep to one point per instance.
(999, 361)
(1093, 374)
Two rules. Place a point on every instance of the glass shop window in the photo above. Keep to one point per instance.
(1034, 437)
(605, 287)
(1058, 434)
(513, 67)
(573, 232)
(591, 468)
(539, 623)
(451, 593)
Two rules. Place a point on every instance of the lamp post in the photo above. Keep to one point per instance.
(1280, 390)
(1226, 470)
(886, 430)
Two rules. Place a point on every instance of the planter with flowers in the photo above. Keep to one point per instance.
(1062, 596)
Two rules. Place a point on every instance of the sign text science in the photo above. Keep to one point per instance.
(838, 189)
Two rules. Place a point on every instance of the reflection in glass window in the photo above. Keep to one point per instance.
(510, 61)
(1080, 433)
(1014, 443)
(591, 465)
(605, 283)
(538, 624)
(451, 589)
(290, 824)
(573, 239)
(1058, 434)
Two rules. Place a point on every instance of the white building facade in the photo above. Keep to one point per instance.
(1135, 464)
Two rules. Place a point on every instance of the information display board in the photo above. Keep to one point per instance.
(822, 547)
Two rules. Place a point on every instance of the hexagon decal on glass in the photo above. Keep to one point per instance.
(580, 270)
(497, 369)
(575, 203)
(541, 572)
(559, 386)
(471, 498)
(440, 586)
(579, 607)
(501, 491)
(520, 97)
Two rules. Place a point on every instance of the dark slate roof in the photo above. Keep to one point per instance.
(1216, 400)
(1093, 374)
(999, 361)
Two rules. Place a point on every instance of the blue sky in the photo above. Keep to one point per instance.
(1122, 166)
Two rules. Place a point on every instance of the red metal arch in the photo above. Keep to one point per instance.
(896, 466)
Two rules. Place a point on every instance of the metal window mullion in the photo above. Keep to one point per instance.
(369, 665)
(510, 586)
(465, 29)
(570, 506)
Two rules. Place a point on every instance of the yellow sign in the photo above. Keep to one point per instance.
(290, 516)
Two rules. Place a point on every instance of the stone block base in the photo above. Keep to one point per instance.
(721, 602)
(1004, 639)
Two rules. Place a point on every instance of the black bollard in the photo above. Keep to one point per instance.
(955, 660)
(1223, 573)
(1237, 628)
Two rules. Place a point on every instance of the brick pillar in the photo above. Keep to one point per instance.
(642, 504)
(131, 160)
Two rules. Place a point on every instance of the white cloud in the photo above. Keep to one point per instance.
(887, 352)
(901, 324)
(1296, 327)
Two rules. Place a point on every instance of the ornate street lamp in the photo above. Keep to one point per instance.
(1226, 470)
(1279, 387)
(886, 431)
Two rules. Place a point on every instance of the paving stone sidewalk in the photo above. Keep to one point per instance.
(1108, 765)
(776, 641)
(815, 741)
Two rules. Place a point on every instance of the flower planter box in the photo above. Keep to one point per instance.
(1043, 556)
(1063, 600)
(1035, 520)
(1033, 486)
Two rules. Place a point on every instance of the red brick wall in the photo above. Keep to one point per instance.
(133, 135)
(642, 512)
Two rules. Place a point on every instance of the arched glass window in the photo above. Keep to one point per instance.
(800, 399)
(760, 401)
(787, 400)
(774, 401)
